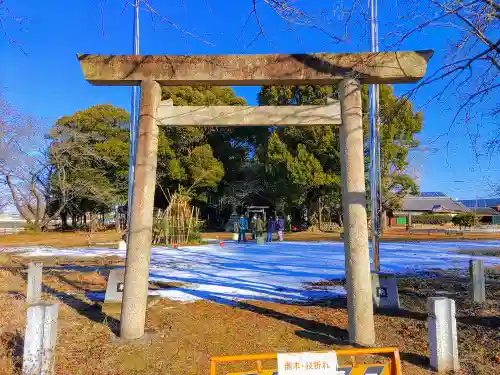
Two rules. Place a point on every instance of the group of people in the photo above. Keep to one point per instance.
(257, 226)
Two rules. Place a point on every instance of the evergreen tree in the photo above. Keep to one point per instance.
(303, 163)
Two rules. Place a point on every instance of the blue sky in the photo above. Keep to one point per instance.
(47, 82)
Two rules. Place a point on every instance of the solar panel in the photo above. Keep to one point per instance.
(480, 203)
(427, 194)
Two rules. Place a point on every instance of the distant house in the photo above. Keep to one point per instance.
(431, 202)
(425, 203)
(11, 223)
(488, 209)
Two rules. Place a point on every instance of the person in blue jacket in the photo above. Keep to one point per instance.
(242, 229)
(271, 226)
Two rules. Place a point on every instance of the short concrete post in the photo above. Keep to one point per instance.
(40, 339)
(477, 282)
(34, 293)
(359, 287)
(135, 292)
(442, 334)
(385, 290)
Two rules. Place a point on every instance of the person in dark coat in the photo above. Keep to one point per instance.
(242, 229)
(271, 226)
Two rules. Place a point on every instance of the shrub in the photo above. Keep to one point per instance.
(465, 219)
(431, 219)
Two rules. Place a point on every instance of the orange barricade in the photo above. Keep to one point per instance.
(392, 366)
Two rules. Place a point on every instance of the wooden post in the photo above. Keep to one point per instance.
(359, 289)
(135, 293)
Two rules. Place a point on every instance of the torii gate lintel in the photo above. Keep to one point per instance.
(255, 70)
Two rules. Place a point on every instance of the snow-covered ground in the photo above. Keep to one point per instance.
(277, 271)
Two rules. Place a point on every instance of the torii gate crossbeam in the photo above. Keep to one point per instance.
(352, 69)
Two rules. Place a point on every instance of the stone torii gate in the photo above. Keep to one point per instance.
(151, 72)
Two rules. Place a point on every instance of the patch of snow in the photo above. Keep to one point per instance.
(276, 271)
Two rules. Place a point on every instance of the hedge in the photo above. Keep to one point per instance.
(431, 219)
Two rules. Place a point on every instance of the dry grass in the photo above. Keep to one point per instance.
(187, 335)
(74, 239)
(59, 239)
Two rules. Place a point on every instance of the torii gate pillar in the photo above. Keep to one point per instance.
(357, 256)
(135, 294)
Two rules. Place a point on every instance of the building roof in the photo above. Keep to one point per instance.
(485, 211)
(429, 194)
(432, 204)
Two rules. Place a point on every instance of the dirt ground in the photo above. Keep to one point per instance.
(185, 336)
(74, 239)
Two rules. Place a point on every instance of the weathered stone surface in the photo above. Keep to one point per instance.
(477, 281)
(442, 334)
(358, 279)
(135, 292)
(34, 279)
(303, 115)
(40, 339)
(255, 70)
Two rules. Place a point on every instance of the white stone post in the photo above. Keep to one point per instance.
(122, 245)
(442, 334)
(477, 282)
(40, 339)
(357, 256)
(34, 293)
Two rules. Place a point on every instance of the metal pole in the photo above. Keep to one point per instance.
(375, 175)
(133, 119)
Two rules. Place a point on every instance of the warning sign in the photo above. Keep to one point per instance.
(307, 363)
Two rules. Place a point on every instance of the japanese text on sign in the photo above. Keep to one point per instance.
(307, 363)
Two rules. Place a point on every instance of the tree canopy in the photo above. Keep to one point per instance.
(287, 168)
(303, 163)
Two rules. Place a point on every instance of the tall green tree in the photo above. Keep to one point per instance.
(204, 160)
(91, 149)
(303, 163)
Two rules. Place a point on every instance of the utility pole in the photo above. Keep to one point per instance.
(375, 174)
(133, 119)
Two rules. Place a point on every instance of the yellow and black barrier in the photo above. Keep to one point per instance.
(390, 366)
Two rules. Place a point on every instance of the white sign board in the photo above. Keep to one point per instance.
(307, 363)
